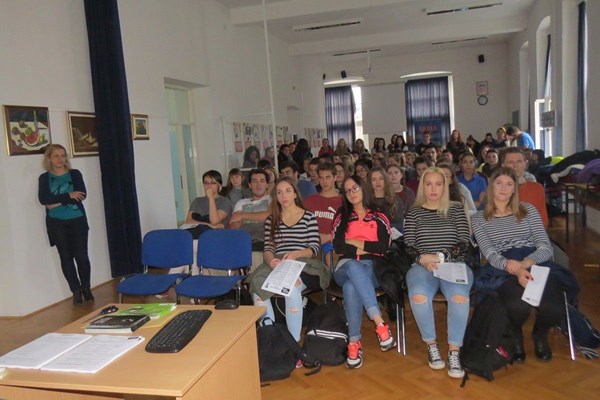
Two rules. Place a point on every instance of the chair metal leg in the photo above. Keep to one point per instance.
(120, 298)
(570, 334)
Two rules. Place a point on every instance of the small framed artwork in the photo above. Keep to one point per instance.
(482, 88)
(82, 133)
(139, 127)
(27, 129)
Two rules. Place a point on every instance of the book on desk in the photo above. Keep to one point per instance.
(117, 323)
(153, 310)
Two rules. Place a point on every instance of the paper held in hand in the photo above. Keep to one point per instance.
(283, 277)
(535, 288)
(452, 272)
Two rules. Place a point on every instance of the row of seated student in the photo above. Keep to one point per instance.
(358, 214)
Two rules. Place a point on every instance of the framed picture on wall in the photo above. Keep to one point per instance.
(82, 133)
(139, 127)
(481, 88)
(27, 129)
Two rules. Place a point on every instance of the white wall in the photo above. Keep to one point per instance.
(186, 40)
(383, 104)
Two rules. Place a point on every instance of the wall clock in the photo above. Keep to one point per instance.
(482, 100)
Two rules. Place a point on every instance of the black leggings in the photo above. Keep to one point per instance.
(548, 314)
(71, 239)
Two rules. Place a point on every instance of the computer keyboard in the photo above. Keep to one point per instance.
(178, 332)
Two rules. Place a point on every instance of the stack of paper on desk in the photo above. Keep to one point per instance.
(70, 352)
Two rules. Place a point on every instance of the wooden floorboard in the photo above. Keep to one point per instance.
(392, 376)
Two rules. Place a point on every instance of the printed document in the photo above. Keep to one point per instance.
(452, 272)
(94, 354)
(283, 277)
(42, 350)
(535, 288)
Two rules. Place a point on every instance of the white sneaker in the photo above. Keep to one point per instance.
(434, 357)
(455, 369)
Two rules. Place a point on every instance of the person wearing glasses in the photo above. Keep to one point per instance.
(61, 190)
(361, 237)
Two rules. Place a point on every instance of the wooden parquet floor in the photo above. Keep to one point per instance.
(393, 376)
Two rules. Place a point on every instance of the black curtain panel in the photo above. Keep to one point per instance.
(339, 114)
(581, 135)
(114, 136)
(428, 108)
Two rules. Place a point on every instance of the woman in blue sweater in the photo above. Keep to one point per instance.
(62, 191)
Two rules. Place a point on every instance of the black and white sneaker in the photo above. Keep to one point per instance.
(455, 369)
(435, 358)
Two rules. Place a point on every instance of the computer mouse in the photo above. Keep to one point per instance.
(227, 304)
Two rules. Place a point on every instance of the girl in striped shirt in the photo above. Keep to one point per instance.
(437, 230)
(512, 238)
(291, 233)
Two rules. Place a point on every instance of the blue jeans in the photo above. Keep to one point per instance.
(293, 309)
(358, 283)
(422, 282)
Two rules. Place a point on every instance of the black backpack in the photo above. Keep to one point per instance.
(278, 352)
(586, 338)
(489, 342)
(326, 336)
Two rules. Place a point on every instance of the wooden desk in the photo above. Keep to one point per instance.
(220, 363)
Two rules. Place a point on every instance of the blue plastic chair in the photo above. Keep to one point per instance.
(162, 248)
(221, 249)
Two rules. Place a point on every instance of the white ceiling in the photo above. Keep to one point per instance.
(394, 26)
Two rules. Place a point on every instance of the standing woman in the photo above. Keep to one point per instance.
(437, 225)
(512, 238)
(361, 237)
(291, 233)
(62, 191)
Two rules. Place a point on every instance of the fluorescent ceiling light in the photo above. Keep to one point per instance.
(347, 53)
(460, 40)
(326, 25)
(347, 80)
(446, 9)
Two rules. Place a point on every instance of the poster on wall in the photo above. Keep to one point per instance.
(256, 135)
(279, 134)
(247, 135)
(432, 125)
(266, 138)
(27, 129)
(237, 137)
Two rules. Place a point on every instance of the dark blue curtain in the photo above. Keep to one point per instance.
(339, 114)
(428, 108)
(581, 135)
(114, 136)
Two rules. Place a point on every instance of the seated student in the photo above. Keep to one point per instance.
(237, 187)
(431, 151)
(208, 212)
(491, 163)
(341, 173)
(361, 237)
(290, 169)
(250, 214)
(458, 191)
(362, 168)
(421, 164)
(291, 233)
(469, 177)
(438, 226)
(512, 239)
(311, 173)
(385, 200)
(405, 194)
(530, 191)
(325, 204)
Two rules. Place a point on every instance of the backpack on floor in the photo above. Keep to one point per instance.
(586, 338)
(489, 342)
(278, 352)
(326, 336)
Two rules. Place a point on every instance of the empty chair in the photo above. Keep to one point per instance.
(222, 249)
(162, 248)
